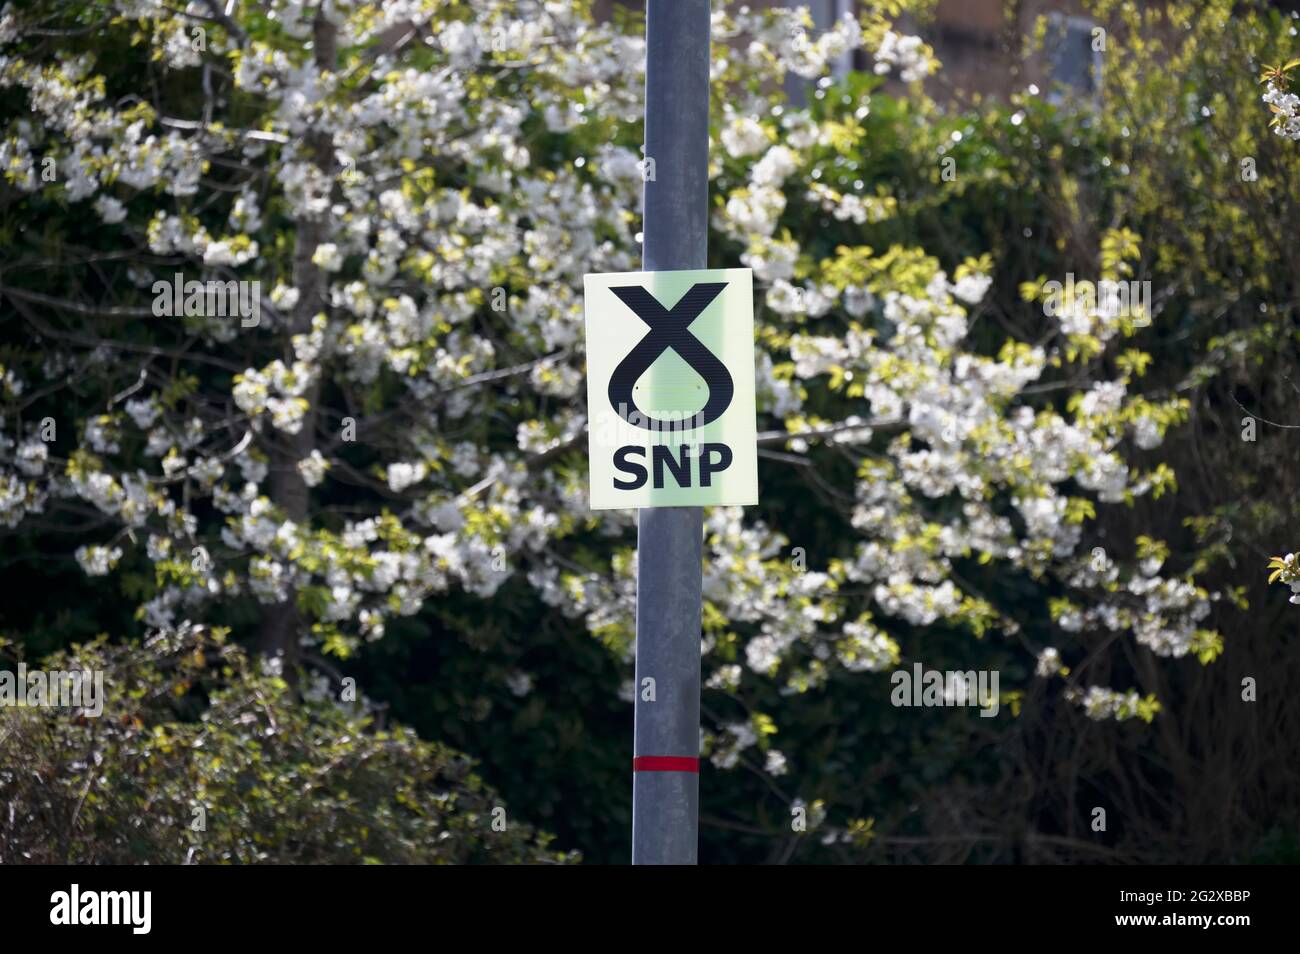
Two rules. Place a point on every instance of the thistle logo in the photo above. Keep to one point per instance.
(670, 329)
(670, 389)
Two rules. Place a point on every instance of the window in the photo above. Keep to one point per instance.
(1073, 55)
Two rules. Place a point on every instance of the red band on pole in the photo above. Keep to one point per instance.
(665, 763)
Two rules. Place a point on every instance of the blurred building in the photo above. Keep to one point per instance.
(980, 43)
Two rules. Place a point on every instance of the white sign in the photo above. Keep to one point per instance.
(670, 388)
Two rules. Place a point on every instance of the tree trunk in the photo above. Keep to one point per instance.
(282, 623)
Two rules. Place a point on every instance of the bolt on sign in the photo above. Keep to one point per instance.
(670, 388)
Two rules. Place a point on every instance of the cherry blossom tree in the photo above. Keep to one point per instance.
(417, 188)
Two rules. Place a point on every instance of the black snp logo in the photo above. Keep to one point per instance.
(670, 328)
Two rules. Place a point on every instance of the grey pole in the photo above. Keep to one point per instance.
(666, 796)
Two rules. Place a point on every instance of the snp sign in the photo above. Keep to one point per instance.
(670, 388)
